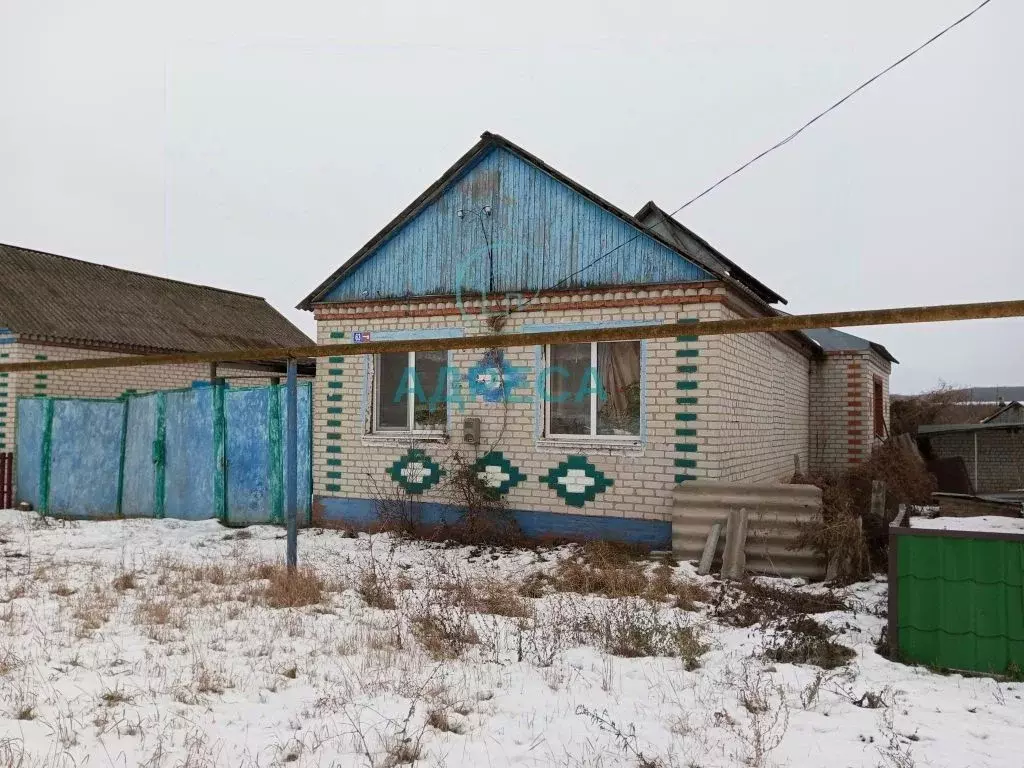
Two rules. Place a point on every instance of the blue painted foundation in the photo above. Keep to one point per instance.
(654, 534)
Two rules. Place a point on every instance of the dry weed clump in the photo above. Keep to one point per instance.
(634, 628)
(92, 609)
(124, 581)
(286, 588)
(802, 640)
(615, 570)
(499, 598)
(750, 602)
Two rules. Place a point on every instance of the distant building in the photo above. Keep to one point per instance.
(56, 308)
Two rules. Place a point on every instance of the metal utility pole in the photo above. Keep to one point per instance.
(291, 468)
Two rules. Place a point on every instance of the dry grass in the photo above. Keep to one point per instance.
(616, 571)
(124, 581)
(286, 588)
(440, 720)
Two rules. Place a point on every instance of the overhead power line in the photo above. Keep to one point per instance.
(786, 140)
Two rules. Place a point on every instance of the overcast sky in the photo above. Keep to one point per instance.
(256, 145)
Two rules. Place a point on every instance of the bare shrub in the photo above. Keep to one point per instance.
(767, 712)
(625, 737)
(374, 582)
(850, 533)
(802, 640)
(444, 631)
(484, 515)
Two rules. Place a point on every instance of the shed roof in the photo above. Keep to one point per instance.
(55, 298)
(831, 340)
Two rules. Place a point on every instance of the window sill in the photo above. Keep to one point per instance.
(404, 438)
(591, 445)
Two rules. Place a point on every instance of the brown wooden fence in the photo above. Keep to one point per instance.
(6, 480)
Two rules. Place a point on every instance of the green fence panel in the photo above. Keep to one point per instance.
(960, 601)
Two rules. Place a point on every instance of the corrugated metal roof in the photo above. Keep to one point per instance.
(831, 340)
(56, 298)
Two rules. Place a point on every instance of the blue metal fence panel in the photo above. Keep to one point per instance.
(190, 454)
(304, 409)
(247, 429)
(139, 489)
(85, 458)
(29, 450)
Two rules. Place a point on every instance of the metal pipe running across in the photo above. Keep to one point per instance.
(773, 324)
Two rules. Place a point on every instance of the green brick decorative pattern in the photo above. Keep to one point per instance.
(685, 450)
(6, 438)
(415, 471)
(576, 480)
(333, 375)
(497, 473)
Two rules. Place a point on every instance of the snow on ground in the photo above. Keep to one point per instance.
(981, 523)
(158, 643)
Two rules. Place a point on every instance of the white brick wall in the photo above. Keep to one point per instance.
(727, 407)
(758, 406)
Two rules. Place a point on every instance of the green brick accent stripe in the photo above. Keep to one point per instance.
(337, 334)
(686, 384)
(334, 439)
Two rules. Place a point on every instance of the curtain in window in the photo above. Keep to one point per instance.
(618, 366)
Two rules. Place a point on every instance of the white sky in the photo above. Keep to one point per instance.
(256, 145)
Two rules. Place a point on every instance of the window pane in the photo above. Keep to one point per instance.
(618, 409)
(392, 391)
(431, 410)
(568, 369)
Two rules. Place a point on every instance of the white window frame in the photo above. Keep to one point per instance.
(593, 434)
(410, 416)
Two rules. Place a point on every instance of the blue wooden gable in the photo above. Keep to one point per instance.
(538, 232)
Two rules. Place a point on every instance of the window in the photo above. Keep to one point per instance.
(878, 406)
(593, 390)
(411, 392)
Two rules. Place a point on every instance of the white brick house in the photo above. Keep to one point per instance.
(582, 440)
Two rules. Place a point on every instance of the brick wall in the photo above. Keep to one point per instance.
(1000, 457)
(842, 425)
(758, 406)
(700, 420)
